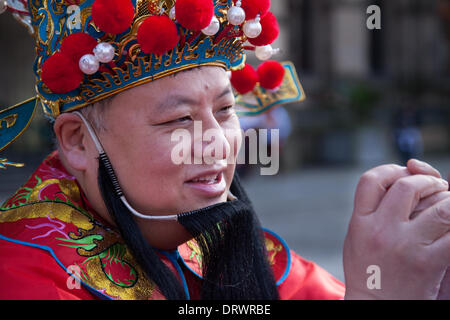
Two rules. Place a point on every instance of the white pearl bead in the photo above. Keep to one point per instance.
(3, 6)
(252, 28)
(264, 52)
(213, 27)
(172, 13)
(104, 52)
(236, 16)
(89, 64)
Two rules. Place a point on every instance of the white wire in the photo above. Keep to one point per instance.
(97, 143)
(100, 150)
(143, 216)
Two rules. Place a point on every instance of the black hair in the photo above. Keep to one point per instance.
(145, 254)
(235, 264)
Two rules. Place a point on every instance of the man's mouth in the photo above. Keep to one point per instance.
(207, 179)
(208, 184)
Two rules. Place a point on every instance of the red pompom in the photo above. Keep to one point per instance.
(254, 7)
(244, 80)
(112, 16)
(271, 74)
(61, 74)
(157, 34)
(194, 14)
(270, 31)
(77, 45)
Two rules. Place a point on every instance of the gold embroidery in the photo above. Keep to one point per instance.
(54, 210)
(145, 7)
(105, 95)
(5, 162)
(95, 276)
(168, 3)
(272, 250)
(289, 90)
(68, 187)
(142, 290)
(10, 120)
(100, 87)
(23, 128)
(196, 252)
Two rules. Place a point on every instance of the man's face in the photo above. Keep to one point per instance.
(140, 123)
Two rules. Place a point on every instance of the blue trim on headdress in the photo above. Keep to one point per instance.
(290, 91)
(15, 120)
(53, 18)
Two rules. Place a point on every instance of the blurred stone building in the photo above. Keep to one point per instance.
(17, 82)
(354, 77)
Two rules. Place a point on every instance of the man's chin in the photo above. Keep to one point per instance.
(203, 202)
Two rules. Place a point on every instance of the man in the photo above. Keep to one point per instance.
(110, 215)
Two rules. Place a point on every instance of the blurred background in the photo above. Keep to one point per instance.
(373, 97)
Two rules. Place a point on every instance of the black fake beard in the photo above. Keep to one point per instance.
(234, 258)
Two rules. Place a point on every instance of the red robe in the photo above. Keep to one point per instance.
(54, 246)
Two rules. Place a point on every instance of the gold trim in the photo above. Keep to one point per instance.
(260, 101)
(4, 162)
(94, 93)
(146, 80)
(241, 65)
(18, 104)
(10, 120)
(303, 98)
(29, 121)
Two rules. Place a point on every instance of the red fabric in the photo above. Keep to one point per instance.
(60, 74)
(33, 274)
(158, 35)
(271, 74)
(308, 281)
(244, 80)
(255, 7)
(194, 14)
(269, 33)
(28, 273)
(112, 16)
(77, 45)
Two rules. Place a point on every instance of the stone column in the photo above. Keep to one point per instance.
(349, 36)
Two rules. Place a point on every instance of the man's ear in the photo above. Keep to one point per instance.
(69, 131)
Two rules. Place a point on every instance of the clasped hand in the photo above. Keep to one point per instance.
(400, 224)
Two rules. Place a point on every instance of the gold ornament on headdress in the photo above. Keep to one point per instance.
(4, 162)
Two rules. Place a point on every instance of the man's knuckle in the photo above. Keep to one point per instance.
(394, 167)
(441, 213)
(369, 177)
(404, 185)
(433, 181)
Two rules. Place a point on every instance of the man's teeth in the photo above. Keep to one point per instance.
(208, 180)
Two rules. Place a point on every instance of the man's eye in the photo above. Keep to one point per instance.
(183, 119)
(175, 121)
(227, 108)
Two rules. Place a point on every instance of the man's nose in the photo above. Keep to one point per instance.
(210, 143)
